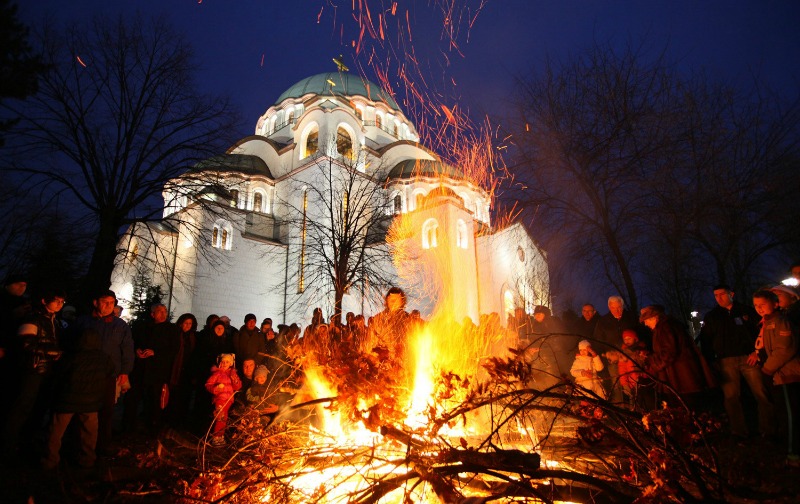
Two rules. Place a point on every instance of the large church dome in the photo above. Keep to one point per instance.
(338, 84)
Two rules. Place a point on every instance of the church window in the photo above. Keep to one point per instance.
(290, 117)
(222, 234)
(394, 128)
(430, 234)
(461, 234)
(258, 202)
(418, 200)
(311, 141)
(235, 198)
(379, 120)
(344, 143)
(359, 114)
(398, 204)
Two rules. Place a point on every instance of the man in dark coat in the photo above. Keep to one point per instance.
(81, 386)
(587, 323)
(249, 343)
(156, 348)
(117, 342)
(608, 336)
(728, 336)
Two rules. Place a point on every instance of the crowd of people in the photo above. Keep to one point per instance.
(157, 374)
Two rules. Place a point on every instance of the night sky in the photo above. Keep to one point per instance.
(731, 40)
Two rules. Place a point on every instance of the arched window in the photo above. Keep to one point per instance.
(222, 235)
(398, 204)
(430, 234)
(290, 117)
(359, 114)
(462, 240)
(258, 202)
(235, 198)
(311, 141)
(418, 200)
(379, 120)
(344, 143)
(394, 128)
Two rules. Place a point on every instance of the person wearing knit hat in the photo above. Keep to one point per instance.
(258, 392)
(249, 343)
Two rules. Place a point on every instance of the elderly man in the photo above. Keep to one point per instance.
(728, 335)
(608, 336)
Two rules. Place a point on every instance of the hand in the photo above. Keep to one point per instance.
(148, 352)
(220, 386)
(752, 359)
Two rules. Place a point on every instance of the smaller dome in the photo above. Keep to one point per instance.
(411, 168)
(344, 84)
(246, 164)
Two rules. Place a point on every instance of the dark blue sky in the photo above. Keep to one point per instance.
(732, 40)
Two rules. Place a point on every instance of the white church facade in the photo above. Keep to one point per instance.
(334, 160)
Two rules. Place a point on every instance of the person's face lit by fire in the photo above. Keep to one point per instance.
(186, 325)
(764, 306)
(225, 363)
(651, 322)
(539, 317)
(394, 302)
(250, 324)
(159, 314)
(54, 305)
(724, 298)
(248, 367)
(219, 330)
(104, 306)
(17, 288)
(615, 308)
(785, 300)
(261, 379)
(588, 312)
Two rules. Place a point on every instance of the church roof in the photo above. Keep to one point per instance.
(411, 168)
(243, 163)
(345, 84)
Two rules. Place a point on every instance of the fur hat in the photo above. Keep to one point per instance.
(650, 312)
(584, 344)
(261, 371)
(226, 357)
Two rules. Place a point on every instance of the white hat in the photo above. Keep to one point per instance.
(584, 344)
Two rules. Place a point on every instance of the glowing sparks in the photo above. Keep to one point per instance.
(80, 61)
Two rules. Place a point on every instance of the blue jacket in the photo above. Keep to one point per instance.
(116, 340)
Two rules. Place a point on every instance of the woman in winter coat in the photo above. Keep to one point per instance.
(675, 359)
(222, 384)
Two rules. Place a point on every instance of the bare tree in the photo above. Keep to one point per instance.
(342, 211)
(116, 117)
(591, 131)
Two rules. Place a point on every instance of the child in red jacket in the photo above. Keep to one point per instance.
(223, 384)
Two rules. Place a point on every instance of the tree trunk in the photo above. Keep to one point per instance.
(98, 276)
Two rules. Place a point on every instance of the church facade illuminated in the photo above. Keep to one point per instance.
(243, 232)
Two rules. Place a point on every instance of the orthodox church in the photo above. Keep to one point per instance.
(332, 193)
